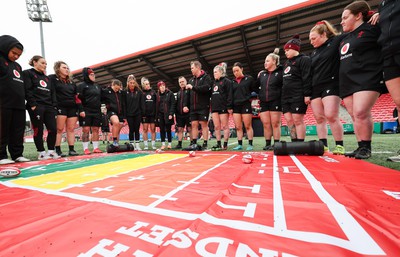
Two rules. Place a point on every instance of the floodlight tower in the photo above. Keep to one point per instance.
(38, 11)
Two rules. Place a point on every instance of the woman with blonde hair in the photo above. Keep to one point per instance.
(149, 113)
(134, 109)
(269, 82)
(325, 100)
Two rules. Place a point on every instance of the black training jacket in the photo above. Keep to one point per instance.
(389, 22)
(221, 95)
(361, 60)
(325, 61)
(242, 88)
(114, 101)
(149, 102)
(166, 105)
(38, 89)
(182, 100)
(296, 78)
(66, 92)
(200, 93)
(12, 90)
(90, 95)
(269, 84)
(134, 102)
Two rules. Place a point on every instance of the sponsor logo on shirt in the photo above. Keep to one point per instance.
(43, 83)
(343, 51)
(287, 70)
(16, 74)
(215, 88)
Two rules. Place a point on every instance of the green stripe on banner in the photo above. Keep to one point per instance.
(72, 164)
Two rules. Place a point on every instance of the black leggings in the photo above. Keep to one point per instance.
(165, 128)
(134, 126)
(44, 115)
(12, 128)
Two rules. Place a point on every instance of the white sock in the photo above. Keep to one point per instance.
(95, 144)
(146, 144)
(85, 145)
(153, 143)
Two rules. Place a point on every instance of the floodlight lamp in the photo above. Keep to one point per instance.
(38, 10)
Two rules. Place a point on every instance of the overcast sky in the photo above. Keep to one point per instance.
(87, 32)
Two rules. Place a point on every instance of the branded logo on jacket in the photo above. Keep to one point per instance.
(215, 88)
(148, 97)
(43, 83)
(345, 48)
(287, 70)
(16, 74)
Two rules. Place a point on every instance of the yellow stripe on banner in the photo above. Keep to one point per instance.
(75, 177)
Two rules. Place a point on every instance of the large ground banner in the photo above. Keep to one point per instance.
(212, 204)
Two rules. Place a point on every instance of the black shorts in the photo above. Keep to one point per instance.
(109, 114)
(105, 128)
(391, 67)
(90, 120)
(183, 121)
(67, 111)
(298, 107)
(148, 119)
(243, 109)
(199, 115)
(220, 111)
(321, 91)
(273, 106)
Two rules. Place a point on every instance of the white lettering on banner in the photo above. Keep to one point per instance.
(395, 195)
(133, 231)
(100, 249)
(184, 239)
(249, 210)
(157, 235)
(222, 249)
(180, 240)
(254, 189)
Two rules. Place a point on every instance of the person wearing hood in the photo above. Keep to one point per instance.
(12, 101)
(165, 109)
(269, 83)
(325, 100)
(90, 116)
(41, 103)
(221, 105)
(296, 90)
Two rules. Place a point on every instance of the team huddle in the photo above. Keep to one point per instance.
(355, 67)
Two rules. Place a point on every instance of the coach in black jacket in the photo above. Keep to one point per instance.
(200, 86)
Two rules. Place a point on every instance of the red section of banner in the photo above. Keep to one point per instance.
(212, 205)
